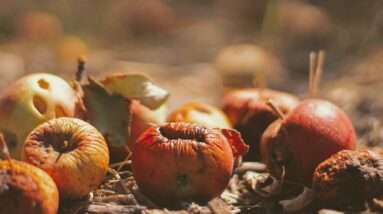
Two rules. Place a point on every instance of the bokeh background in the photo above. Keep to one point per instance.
(197, 49)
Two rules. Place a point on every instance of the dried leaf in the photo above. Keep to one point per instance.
(108, 112)
(237, 144)
(138, 87)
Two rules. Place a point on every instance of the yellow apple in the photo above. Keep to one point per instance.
(201, 114)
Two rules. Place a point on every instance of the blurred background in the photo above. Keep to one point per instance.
(197, 49)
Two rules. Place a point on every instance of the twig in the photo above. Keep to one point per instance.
(80, 68)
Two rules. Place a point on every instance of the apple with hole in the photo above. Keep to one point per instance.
(293, 146)
(30, 101)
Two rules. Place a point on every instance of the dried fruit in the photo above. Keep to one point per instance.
(349, 177)
(185, 162)
(72, 151)
(30, 101)
(309, 134)
(249, 113)
(201, 114)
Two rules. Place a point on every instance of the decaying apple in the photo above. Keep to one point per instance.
(70, 150)
(200, 113)
(30, 101)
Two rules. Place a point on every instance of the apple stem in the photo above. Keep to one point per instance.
(80, 68)
(315, 71)
(275, 108)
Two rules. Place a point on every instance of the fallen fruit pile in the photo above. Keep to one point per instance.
(108, 146)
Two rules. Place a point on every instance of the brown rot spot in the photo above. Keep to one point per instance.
(43, 84)
(60, 112)
(40, 104)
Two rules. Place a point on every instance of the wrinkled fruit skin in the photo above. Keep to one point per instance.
(185, 162)
(26, 189)
(31, 101)
(311, 133)
(349, 177)
(201, 114)
(72, 151)
(248, 112)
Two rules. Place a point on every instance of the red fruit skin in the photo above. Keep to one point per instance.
(250, 115)
(312, 132)
(183, 162)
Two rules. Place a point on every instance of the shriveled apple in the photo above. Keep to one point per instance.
(185, 162)
(30, 101)
(25, 188)
(72, 151)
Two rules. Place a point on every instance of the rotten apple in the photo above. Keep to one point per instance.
(185, 162)
(30, 101)
(72, 151)
(293, 146)
(249, 113)
(26, 189)
(200, 113)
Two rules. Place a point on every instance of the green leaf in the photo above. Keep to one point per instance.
(108, 112)
(138, 87)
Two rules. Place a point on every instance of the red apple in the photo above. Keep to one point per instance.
(249, 113)
(308, 135)
(184, 162)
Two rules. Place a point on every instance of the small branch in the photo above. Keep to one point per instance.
(275, 108)
(315, 71)
(80, 68)
(318, 71)
(312, 68)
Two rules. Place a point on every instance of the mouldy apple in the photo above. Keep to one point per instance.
(30, 101)
(349, 178)
(72, 151)
(26, 189)
(185, 162)
(249, 113)
(201, 114)
(309, 134)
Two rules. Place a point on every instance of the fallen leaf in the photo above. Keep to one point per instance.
(136, 86)
(108, 112)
